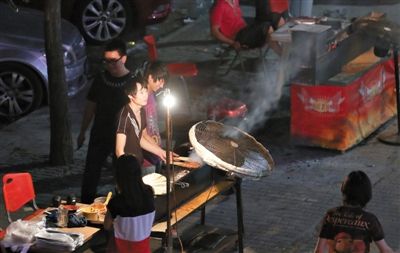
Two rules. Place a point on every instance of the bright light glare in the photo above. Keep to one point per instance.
(169, 101)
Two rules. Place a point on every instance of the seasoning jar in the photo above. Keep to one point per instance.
(62, 218)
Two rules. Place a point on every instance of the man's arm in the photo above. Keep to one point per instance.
(120, 142)
(152, 148)
(216, 32)
(90, 109)
(383, 246)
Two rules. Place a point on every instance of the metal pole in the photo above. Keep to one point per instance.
(168, 176)
(390, 137)
(396, 73)
(239, 212)
(203, 215)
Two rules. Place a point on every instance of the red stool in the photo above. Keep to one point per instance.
(2, 234)
(181, 70)
(227, 108)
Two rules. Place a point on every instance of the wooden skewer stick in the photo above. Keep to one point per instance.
(187, 165)
(182, 158)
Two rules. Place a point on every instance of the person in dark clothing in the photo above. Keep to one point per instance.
(130, 213)
(156, 76)
(105, 98)
(274, 11)
(131, 124)
(349, 228)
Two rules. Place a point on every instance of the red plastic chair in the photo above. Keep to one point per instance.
(2, 234)
(181, 69)
(151, 47)
(185, 69)
(18, 191)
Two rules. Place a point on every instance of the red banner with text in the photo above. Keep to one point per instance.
(340, 116)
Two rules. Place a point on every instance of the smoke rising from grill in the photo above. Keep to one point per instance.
(263, 93)
(195, 157)
(266, 90)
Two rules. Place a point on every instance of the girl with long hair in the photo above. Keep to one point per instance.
(130, 213)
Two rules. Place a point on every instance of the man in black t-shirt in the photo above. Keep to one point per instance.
(105, 98)
(131, 125)
(349, 228)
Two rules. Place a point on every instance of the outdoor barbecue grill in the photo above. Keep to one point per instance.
(229, 155)
(321, 47)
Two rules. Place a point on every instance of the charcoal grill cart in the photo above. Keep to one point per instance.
(230, 155)
(340, 91)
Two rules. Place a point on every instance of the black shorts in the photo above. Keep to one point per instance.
(275, 17)
(264, 14)
(254, 35)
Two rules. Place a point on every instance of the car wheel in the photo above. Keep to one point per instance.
(103, 20)
(20, 90)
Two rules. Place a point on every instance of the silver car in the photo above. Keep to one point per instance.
(103, 20)
(23, 67)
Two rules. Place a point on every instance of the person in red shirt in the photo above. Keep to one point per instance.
(274, 11)
(228, 26)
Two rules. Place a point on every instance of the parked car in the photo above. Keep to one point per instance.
(23, 67)
(103, 20)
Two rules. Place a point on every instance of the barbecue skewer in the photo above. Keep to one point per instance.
(182, 158)
(187, 165)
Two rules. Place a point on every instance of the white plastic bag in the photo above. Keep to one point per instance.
(20, 235)
(55, 239)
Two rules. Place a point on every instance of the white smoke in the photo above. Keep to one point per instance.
(266, 90)
(193, 156)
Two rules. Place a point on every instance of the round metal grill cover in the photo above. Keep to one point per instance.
(230, 149)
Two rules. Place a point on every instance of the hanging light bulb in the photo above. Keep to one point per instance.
(169, 100)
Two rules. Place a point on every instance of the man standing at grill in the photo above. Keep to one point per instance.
(131, 124)
(229, 27)
(105, 98)
(156, 75)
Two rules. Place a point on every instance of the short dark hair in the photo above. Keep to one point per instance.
(357, 189)
(116, 45)
(130, 87)
(157, 70)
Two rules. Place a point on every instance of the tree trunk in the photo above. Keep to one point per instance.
(61, 152)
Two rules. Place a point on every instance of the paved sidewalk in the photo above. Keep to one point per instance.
(282, 211)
